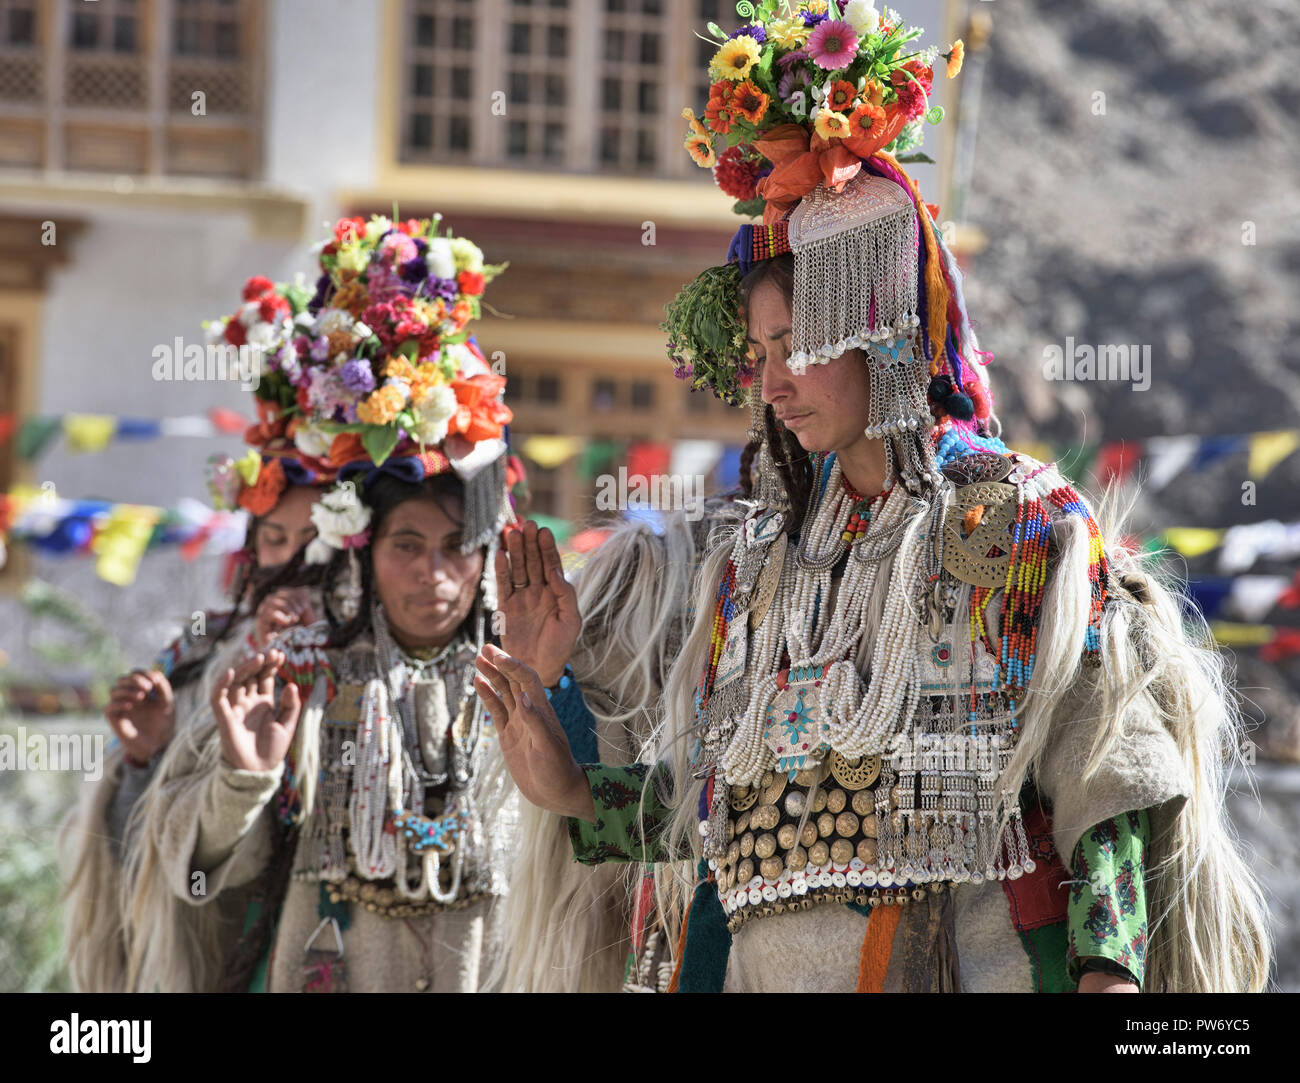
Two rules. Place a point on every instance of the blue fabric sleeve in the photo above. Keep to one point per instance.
(576, 718)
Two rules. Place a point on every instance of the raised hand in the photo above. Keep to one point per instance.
(282, 609)
(255, 733)
(532, 740)
(142, 712)
(539, 605)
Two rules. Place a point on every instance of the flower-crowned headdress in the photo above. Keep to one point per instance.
(374, 370)
(812, 98)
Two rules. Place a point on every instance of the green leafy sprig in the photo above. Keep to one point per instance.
(706, 333)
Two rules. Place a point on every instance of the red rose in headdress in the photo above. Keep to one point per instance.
(348, 229)
(257, 287)
(471, 282)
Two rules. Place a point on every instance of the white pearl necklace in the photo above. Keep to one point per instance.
(862, 721)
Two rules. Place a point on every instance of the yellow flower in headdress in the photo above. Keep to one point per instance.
(352, 297)
(701, 150)
(954, 57)
(350, 257)
(381, 406)
(832, 125)
(399, 368)
(425, 380)
(734, 59)
(789, 33)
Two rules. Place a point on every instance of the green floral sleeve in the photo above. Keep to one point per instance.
(1107, 907)
(621, 823)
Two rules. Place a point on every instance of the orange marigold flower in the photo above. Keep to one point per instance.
(720, 112)
(832, 125)
(399, 368)
(750, 102)
(262, 496)
(955, 56)
(353, 297)
(864, 118)
(381, 407)
(841, 96)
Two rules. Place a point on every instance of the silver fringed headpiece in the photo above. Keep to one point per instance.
(487, 505)
(850, 247)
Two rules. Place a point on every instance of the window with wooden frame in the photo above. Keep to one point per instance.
(133, 86)
(440, 80)
(585, 86)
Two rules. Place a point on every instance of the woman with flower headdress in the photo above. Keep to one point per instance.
(931, 729)
(277, 487)
(340, 821)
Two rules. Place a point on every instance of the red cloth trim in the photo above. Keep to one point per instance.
(1042, 897)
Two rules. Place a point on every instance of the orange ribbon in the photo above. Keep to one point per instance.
(801, 160)
(479, 416)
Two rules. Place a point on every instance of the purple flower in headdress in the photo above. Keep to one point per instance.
(790, 82)
(357, 376)
(421, 245)
(446, 288)
(326, 394)
(794, 57)
(320, 348)
(323, 290)
(415, 270)
(753, 30)
(302, 344)
(382, 283)
(812, 18)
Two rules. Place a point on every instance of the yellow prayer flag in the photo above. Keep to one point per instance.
(1267, 449)
(551, 451)
(89, 432)
(1241, 635)
(1192, 541)
(121, 542)
(1036, 450)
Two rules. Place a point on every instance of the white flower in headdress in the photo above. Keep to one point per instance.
(469, 257)
(331, 320)
(433, 413)
(862, 16)
(340, 519)
(440, 259)
(467, 361)
(263, 336)
(250, 312)
(311, 441)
